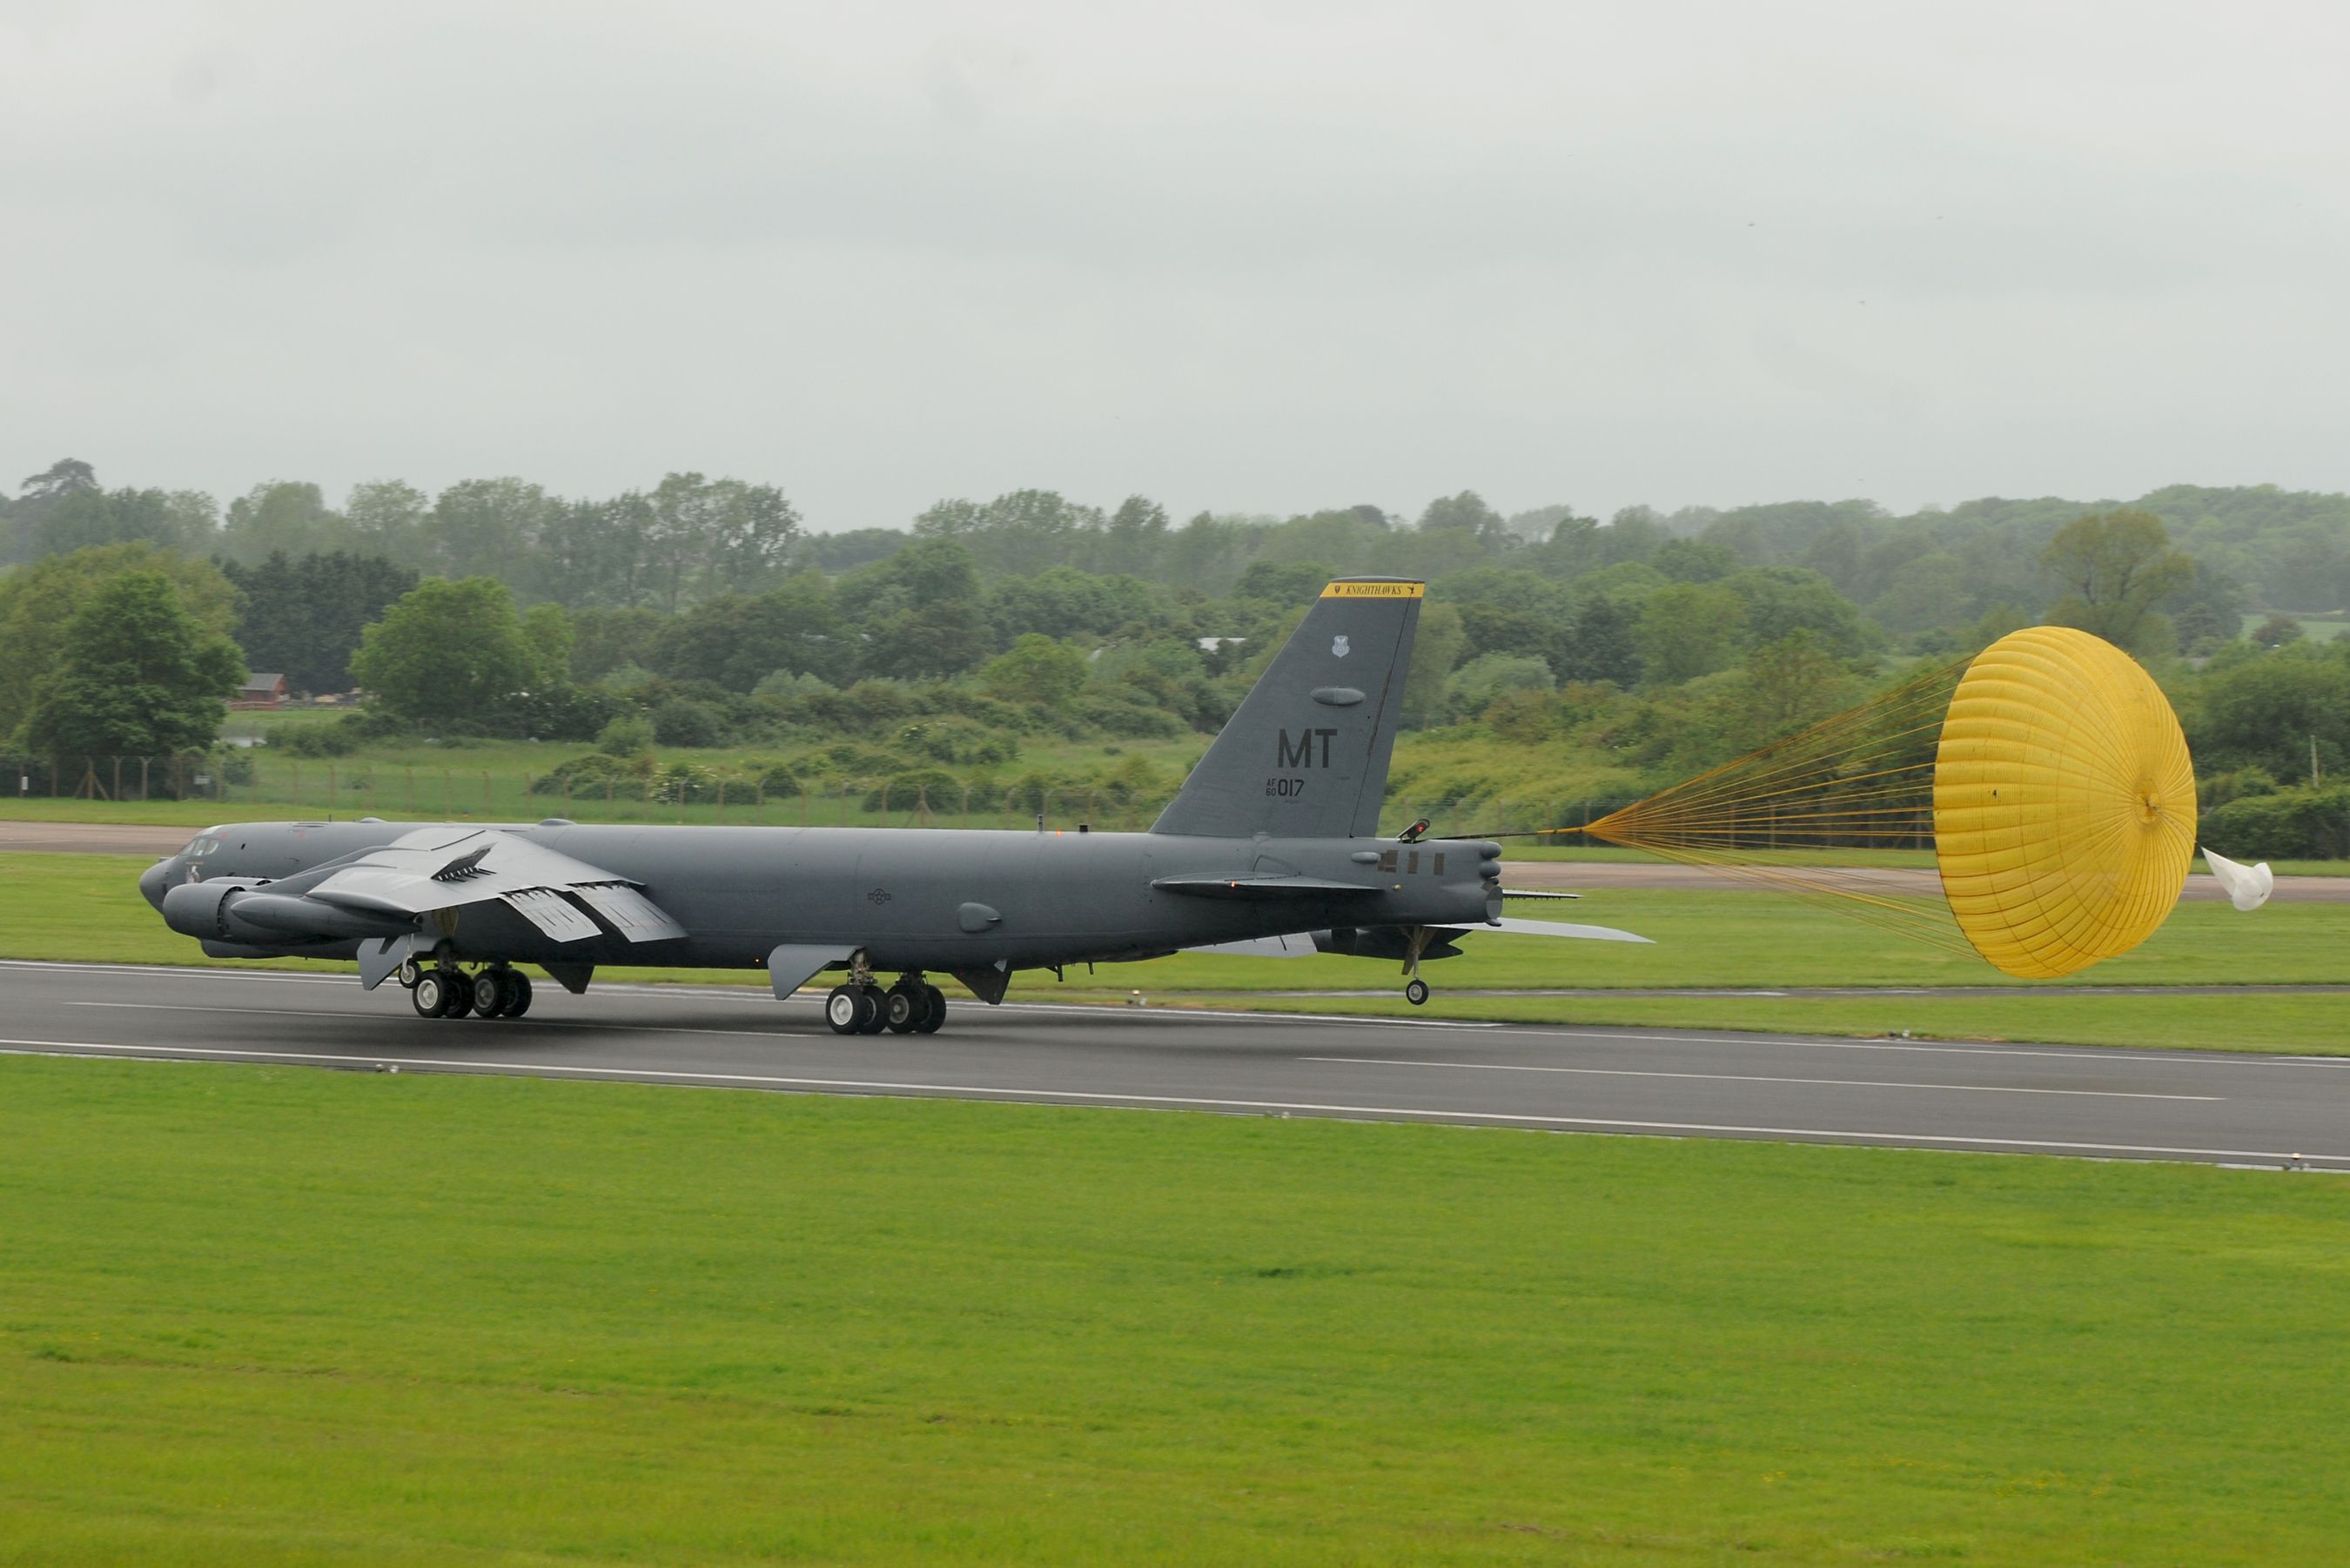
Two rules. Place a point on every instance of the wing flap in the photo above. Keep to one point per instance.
(552, 913)
(630, 913)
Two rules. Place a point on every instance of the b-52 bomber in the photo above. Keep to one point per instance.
(1270, 847)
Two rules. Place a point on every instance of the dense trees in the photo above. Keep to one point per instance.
(448, 653)
(2116, 566)
(135, 675)
(37, 602)
(302, 616)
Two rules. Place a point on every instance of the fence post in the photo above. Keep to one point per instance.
(448, 795)
(334, 784)
(485, 794)
(722, 801)
(966, 807)
(298, 783)
(804, 802)
(885, 803)
(142, 776)
(922, 804)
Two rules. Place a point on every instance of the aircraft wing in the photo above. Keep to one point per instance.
(447, 868)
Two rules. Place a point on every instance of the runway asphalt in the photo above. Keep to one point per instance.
(2057, 1100)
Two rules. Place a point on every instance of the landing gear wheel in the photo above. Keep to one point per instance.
(428, 994)
(934, 1012)
(901, 1011)
(871, 1018)
(409, 973)
(517, 995)
(489, 993)
(1417, 993)
(844, 1010)
(459, 988)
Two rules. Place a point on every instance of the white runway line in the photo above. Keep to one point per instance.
(1757, 1078)
(1051, 1097)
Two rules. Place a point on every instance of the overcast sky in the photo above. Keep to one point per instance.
(1237, 256)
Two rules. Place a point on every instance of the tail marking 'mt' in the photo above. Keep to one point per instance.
(1306, 755)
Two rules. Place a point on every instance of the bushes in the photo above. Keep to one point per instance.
(630, 735)
(682, 722)
(1114, 713)
(954, 739)
(2286, 824)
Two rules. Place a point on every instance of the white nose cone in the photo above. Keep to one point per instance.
(2248, 887)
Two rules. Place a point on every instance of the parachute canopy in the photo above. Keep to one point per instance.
(2063, 803)
(2048, 773)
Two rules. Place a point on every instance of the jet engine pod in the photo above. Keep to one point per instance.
(231, 912)
(193, 909)
(311, 918)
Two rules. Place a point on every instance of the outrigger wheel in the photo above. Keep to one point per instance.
(1416, 993)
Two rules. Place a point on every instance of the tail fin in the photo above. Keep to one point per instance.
(1307, 755)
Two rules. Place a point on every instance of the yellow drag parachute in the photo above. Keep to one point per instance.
(2048, 773)
(2063, 803)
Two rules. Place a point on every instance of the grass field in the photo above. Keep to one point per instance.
(87, 907)
(257, 1316)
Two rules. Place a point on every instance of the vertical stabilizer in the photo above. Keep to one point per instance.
(1307, 755)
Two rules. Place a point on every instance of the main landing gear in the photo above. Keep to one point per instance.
(912, 1006)
(444, 991)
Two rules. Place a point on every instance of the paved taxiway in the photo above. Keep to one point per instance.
(2044, 1099)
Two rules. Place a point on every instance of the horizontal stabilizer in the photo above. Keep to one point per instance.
(1260, 887)
(1559, 928)
(632, 914)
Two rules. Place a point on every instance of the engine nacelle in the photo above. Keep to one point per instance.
(236, 913)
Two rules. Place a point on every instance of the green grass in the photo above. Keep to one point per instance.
(257, 1316)
(86, 907)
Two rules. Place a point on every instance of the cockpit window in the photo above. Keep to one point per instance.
(204, 843)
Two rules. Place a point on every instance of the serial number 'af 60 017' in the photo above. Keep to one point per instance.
(1239, 861)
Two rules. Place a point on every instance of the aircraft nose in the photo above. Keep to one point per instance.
(157, 878)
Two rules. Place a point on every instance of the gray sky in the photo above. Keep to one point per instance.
(1241, 256)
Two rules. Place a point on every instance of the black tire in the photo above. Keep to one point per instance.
(517, 995)
(461, 993)
(869, 1018)
(1417, 993)
(489, 993)
(409, 973)
(901, 1011)
(429, 995)
(842, 1011)
(934, 1011)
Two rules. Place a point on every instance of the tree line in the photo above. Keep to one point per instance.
(1651, 643)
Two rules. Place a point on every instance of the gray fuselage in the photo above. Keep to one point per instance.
(910, 898)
